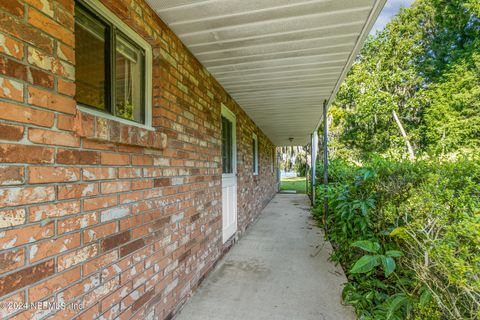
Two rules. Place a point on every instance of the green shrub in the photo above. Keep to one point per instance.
(429, 212)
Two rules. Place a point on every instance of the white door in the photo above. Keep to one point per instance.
(229, 174)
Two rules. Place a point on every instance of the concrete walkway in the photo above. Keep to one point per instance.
(279, 270)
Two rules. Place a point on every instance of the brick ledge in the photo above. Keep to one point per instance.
(98, 128)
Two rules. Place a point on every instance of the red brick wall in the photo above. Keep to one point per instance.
(122, 220)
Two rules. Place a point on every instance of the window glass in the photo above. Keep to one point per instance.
(110, 67)
(90, 54)
(254, 154)
(227, 146)
(128, 80)
(272, 165)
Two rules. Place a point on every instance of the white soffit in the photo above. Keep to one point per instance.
(279, 59)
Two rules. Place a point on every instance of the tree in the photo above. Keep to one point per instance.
(414, 86)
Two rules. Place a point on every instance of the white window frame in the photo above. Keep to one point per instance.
(255, 162)
(105, 13)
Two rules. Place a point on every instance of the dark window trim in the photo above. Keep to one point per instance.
(110, 58)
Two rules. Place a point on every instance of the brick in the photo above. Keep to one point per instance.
(130, 197)
(47, 248)
(53, 285)
(77, 290)
(15, 299)
(45, 6)
(66, 53)
(50, 100)
(152, 172)
(115, 159)
(26, 277)
(11, 47)
(116, 186)
(114, 213)
(63, 69)
(102, 291)
(20, 196)
(67, 4)
(99, 202)
(99, 145)
(13, 238)
(115, 241)
(142, 184)
(42, 136)
(66, 87)
(131, 247)
(142, 160)
(11, 175)
(120, 267)
(91, 313)
(53, 174)
(40, 59)
(65, 18)
(54, 210)
(124, 173)
(11, 132)
(14, 69)
(10, 218)
(24, 114)
(50, 26)
(72, 191)
(15, 153)
(11, 89)
(77, 222)
(162, 182)
(84, 124)
(11, 260)
(76, 257)
(66, 156)
(113, 298)
(65, 122)
(94, 173)
(25, 32)
(13, 7)
(41, 78)
(142, 300)
(99, 232)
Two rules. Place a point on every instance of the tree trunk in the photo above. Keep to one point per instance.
(404, 135)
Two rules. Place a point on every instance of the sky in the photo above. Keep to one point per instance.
(389, 11)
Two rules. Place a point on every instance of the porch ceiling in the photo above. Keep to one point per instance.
(279, 59)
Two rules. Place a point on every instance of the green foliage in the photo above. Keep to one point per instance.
(425, 67)
(408, 234)
(301, 164)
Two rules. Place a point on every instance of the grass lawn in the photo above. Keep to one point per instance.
(293, 183)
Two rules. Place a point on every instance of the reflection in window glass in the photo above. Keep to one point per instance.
(90, 59)
(254, 154)
(227, 146)
(128, 80)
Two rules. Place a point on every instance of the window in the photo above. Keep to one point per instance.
(254, 154)
(272, 165)
(227, 146)
(113, 65)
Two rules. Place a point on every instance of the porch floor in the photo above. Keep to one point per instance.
(278, 270)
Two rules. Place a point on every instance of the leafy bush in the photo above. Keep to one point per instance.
(408, 235)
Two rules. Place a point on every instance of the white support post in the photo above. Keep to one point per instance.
(325, 163)
(314, 161)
